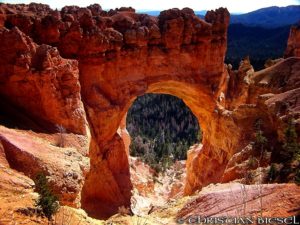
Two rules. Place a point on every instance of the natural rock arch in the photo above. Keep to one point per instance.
(122, 55)
(194, 72)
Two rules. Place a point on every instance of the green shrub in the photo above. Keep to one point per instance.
(290, 145)
(290, 154)
(272, 173)
(260, 139)
(47, 201)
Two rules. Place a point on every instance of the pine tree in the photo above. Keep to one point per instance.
(290, 145)
(47, 201)
(260, 139)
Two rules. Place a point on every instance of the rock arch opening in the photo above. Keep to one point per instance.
(109, 153)
(162, 129)
(161, 126)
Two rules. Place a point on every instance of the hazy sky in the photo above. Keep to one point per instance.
(232, 5)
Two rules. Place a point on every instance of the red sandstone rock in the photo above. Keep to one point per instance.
(37, 80)
(122, 131)
(293, 46)
(122, 55)
(236, 200)
(247, 167)
(3, 159)
(17, 202)
(141, 177)
(64, 167)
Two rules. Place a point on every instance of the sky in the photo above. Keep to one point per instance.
(234, 6)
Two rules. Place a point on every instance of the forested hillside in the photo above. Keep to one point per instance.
(162, 128)
(257, 42)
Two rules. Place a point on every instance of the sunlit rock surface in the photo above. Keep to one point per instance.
(82, 68)
(293, 46)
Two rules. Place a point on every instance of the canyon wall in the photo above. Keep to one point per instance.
(120, 55)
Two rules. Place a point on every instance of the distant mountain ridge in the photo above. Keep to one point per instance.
(157, 12)
(261, 34)
(258, 42)
(270, 17)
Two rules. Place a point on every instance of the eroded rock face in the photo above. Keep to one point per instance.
(17, 200)
(237, 199)
(42, 89)
(37, 80)
(65, 167)
(293, 46)
(122, 55)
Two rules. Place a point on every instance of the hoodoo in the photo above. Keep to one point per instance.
(293, 46)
